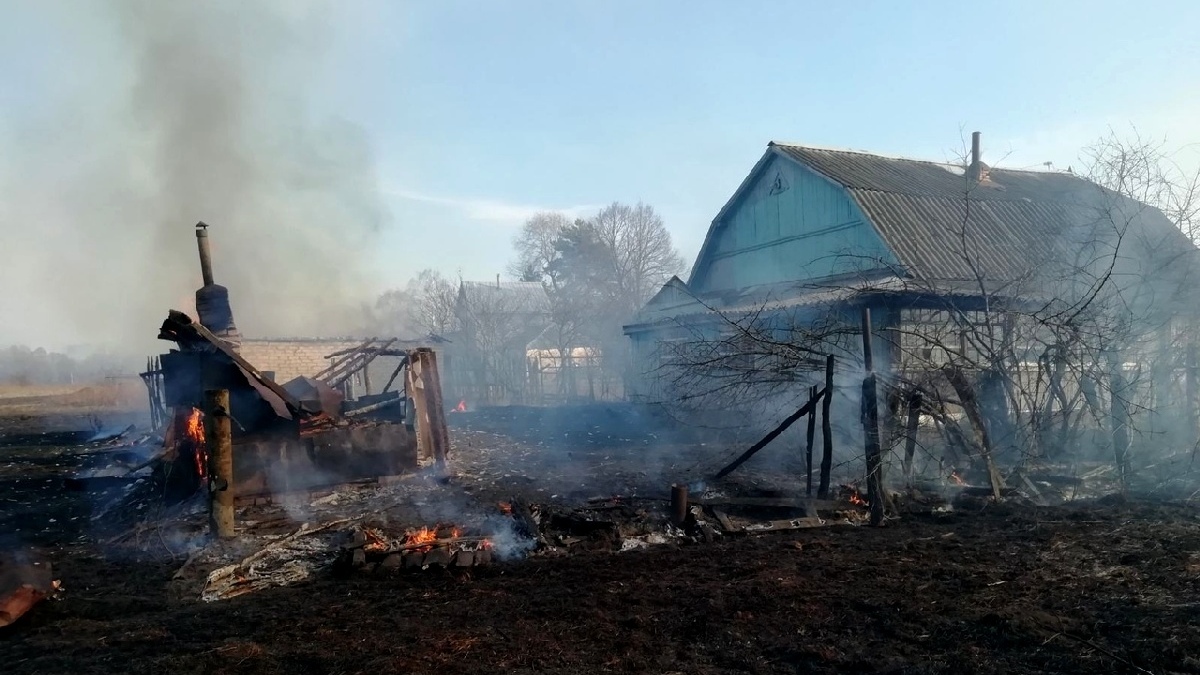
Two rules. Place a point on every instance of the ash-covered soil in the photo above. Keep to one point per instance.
(1105, 586)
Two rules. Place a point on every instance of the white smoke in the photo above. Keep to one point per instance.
(202, 112)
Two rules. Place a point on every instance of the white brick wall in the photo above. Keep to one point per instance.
(290, 358)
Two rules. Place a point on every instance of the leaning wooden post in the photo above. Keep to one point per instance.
(826, 431)
(218, 437)
(870, 407)
(808, 446)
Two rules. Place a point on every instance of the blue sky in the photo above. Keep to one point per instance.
(482, 110)
(481, 113)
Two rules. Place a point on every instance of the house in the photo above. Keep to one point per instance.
(495, 323)
(812, 236)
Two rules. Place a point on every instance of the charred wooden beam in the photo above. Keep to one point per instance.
(826, 430)
(808, 445)
(803, 410)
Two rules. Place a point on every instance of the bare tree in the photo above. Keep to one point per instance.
(434, 302)
(535, 245)
(596, 273)
(496, 323)
(1033, 363)
(425, 305)
(642, 255)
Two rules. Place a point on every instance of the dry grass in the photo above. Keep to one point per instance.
(9, 391)
(113, 394)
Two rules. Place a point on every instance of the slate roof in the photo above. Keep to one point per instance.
(1017, 220)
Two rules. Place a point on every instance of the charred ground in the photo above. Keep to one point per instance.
(1106, 585)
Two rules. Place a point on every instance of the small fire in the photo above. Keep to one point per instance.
(857, 499)
(461, 407)
(426, 537)
(375, 540)
(956, 478)
(505, 508)
(194, 431)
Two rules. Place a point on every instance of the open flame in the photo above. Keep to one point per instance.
(461, 407)
(427, 537)
(956, 478)
(193, 430)
(856, 499)
(375, 540)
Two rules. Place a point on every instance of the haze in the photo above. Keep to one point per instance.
(339, 148)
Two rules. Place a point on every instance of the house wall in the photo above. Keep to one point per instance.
(791, 224)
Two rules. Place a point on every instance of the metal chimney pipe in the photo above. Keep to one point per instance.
(205, 256)
(975, 152)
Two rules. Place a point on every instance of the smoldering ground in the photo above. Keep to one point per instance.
(164, 114)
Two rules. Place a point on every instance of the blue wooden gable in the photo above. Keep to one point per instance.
(787, 223)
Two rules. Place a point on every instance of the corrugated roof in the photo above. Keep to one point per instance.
(942, 226)
(512, 296)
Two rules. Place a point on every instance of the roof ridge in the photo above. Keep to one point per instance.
(854, 151)
(905, 158)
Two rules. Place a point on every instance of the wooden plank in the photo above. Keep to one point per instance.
(773, 502)
(436, 407)
(416, 390)
(723, 519)
(780, 525)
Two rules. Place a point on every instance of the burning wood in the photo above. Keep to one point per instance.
(193, 433)
(438, 546)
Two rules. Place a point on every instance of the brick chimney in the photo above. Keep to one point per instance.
(977, 171)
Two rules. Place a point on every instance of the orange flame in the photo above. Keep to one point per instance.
(423, 536)
(426, 537)
(194, 431)
(505, 508)
(375, 540)
(956, 478)
(857, 499)
(461, 407)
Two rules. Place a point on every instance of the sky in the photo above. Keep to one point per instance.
(479, 114)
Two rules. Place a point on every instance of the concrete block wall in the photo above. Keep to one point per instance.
(290, 358)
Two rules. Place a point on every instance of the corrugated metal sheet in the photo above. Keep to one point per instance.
(1017, 220)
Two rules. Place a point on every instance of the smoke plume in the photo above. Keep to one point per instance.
(205, 112)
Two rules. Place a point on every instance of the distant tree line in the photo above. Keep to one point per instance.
(21, 365)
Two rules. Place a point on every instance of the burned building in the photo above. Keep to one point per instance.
(302, 434)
